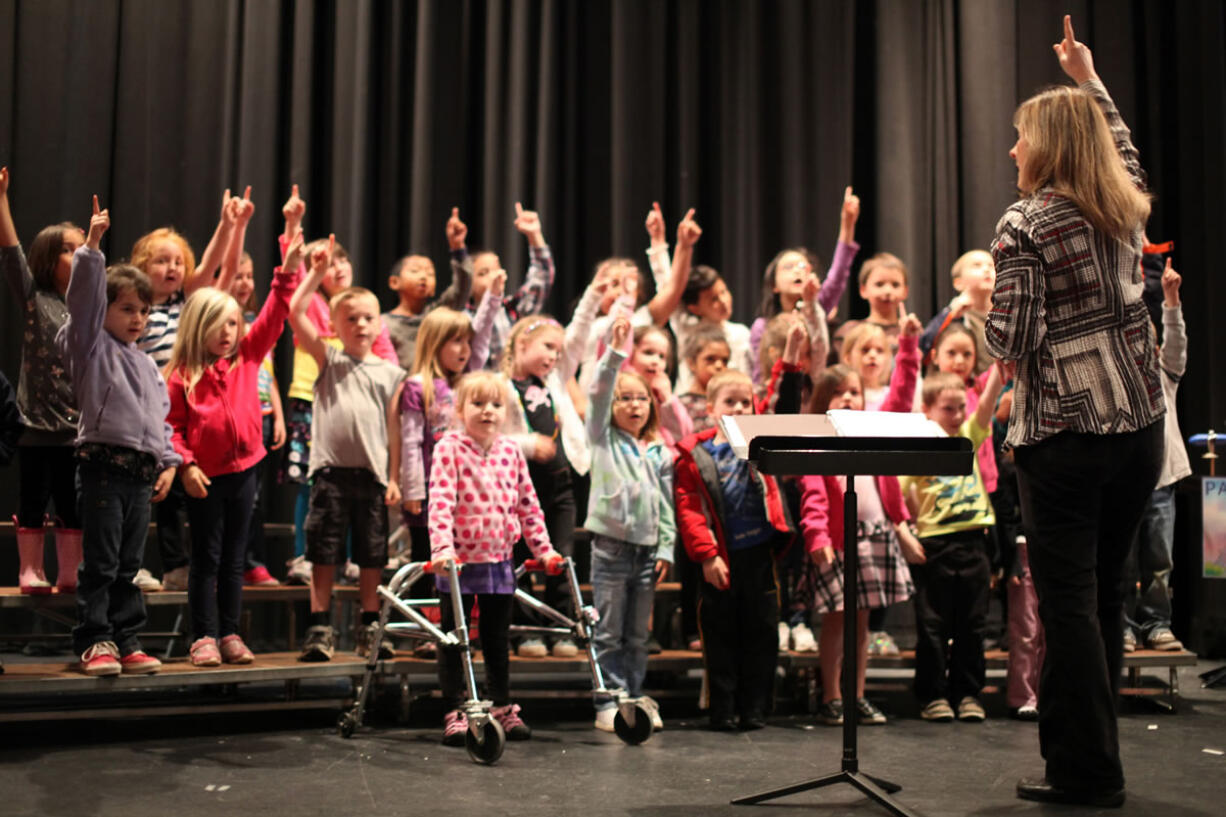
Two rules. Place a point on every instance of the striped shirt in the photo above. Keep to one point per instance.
(159, 337)
(1068, 309)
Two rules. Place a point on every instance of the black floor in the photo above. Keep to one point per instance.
(294, 763)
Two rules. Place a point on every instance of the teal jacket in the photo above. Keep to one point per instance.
(632, 486)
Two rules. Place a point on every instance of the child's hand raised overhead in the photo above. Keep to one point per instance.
(498, 283)
(322, 256)
(909, 324)
(528, 222)
(798, 336)
(457, 231)
(655, 224)
(1171, 281)
(245, 209)
(99, 223)
(619, 332)
(811, 289)
(293, 252)
(229, 208)
(688, 231)
(294, 208)
(850, 214)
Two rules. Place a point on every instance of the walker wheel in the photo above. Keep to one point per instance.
(488, 747)
(633, 735)
(346, 724)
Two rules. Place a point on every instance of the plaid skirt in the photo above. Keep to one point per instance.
(884, 577)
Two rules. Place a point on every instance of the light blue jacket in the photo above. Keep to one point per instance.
(632, 487)
(119, 390)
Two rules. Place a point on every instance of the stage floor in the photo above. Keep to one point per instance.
(294, 763)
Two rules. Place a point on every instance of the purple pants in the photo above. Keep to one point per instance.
(1026, 642)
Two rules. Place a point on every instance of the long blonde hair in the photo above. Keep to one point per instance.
(524, 330)
(439, 327)
(1071, 151)
(201, 316)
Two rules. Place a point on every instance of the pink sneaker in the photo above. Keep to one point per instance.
(139, 663)
(259, 577)
(455, 724)
(101, 659)
(512, 724)
(204, 653)
(234, 651)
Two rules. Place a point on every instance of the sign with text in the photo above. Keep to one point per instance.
(1213, 514)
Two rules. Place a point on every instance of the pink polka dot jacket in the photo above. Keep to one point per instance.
(481, 501)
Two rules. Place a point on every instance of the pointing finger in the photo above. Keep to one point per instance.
(519, 210)
(247, 194)
(96, 212)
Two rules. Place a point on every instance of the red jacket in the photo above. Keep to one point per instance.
(220, 428)
(699, 513)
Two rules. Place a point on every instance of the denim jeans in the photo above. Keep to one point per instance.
(1150, 562)
(220, 523)
(114, 510)
(623, 588)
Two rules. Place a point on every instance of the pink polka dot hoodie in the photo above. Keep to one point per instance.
(481, 502)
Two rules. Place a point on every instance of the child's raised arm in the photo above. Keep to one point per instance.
(8, 231)
(210, 259)
(243, 211)
(987, 400)
(844, 253)
(668, 298)
(86, 296)
(460, 290)
(657, 252)
(901, 394)
(535, 290)
(304, 331)
(598, 415)
(293, 210)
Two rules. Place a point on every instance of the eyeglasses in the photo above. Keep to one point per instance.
(632, 398)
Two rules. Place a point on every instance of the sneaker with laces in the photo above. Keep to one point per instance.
(867, 714)
(564, 648)
(830, 712)
(259, 577)
(299, 571)
(1130, 640)
(802, 638)
(234, 651)
(938, 711)
(882, 643)
(138, 662)
(653, 710)
(175, 579)
(318, 645)
(531, 648)
(101, 658)
(970, 710)
(204, 652)
(512, 724)
(455, 724)
(145, 581)
(1163, 639)
(605, 718)
(366, 637)
(785, 636)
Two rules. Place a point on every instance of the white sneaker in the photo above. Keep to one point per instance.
(802, 638)
(653, 709)
(299, 571)
(604, 719)
(785, 636)
(145, 581)
(532, 648)
(175, 579)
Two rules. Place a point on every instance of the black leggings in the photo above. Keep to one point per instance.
(48, 472)
(495, 626)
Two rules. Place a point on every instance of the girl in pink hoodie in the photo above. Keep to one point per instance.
(481, 502)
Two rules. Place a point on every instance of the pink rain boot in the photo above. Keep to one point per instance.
(30, 550)
(68, 549)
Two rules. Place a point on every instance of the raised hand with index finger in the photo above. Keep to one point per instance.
(1075, 57)
(99, 223)
(457, 230)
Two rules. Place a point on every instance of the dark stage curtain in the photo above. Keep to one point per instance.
(756, 113)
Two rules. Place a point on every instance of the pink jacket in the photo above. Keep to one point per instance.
(481, 501)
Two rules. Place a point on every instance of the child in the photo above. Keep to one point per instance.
(956, 352)
(481, 266)
(884, 541)
(44, 397)
(728, 516)
(649, 356)
(337, 278)
(481, 502)
(883, 283)
(122, 450)
(218, 430)
(1149, 616)
(951, 595)
(447, 346)
(866, 348)
(785, 277)
(630, 515)
(354, 432)
(794, 342)
(255, 571)
(413, 280)
(706, 353)
(974, 275)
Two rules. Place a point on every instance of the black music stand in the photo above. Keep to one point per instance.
(797, 445)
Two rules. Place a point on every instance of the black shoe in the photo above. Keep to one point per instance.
(867, 714)
(752, 720)
(722, 723)
(1040, 790)
(830, 713)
